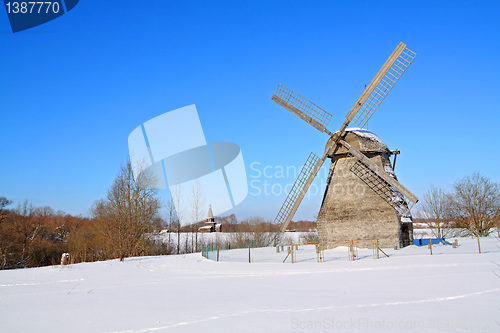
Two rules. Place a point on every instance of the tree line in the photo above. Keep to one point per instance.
(472, 207)
(125, 223)
(120, 226)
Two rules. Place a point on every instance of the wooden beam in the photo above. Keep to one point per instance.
(383, 252)
(394, 163)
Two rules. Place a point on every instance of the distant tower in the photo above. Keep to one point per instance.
(210, 225)
(210, 216)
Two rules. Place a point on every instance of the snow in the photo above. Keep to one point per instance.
(366, 134)
(455, 289)
(389, 170)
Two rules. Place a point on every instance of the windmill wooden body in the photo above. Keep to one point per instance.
(363, 199)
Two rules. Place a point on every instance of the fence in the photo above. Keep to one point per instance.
(217, 254)
(351, 245)
(348, 249)
(297, 251)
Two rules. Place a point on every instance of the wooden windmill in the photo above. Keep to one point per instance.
(360, 160)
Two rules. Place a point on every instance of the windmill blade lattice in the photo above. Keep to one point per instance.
(382, 188)
(390, 78)
(379, 172)
(298, 191)
(305, 109)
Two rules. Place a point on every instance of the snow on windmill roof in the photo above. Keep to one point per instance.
(363, 140)
(366, 134)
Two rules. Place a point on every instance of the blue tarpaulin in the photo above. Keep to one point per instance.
(425, 241)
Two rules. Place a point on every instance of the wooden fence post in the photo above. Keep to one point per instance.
(430, 245)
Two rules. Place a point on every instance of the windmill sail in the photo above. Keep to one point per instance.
(379, 87)
(392, 70)
(301, 107)
(382, 188)
(299, 190)
(375, 169)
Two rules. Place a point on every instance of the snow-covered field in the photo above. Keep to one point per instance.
(454, 290)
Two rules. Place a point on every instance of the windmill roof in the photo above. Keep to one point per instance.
(363, 140)
(364, 133)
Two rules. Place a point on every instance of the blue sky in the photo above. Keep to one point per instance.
(74, 88)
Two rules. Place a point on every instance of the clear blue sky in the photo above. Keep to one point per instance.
(73, 89)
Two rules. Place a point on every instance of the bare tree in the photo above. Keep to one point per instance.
(436, 210)
(170, 214)
(4, 202)
(25, 228)
(127, 214)
(5, 242)
(179, 204)
(476, 204)
(198, 201)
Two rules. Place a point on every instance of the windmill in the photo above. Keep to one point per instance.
(359, 160)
